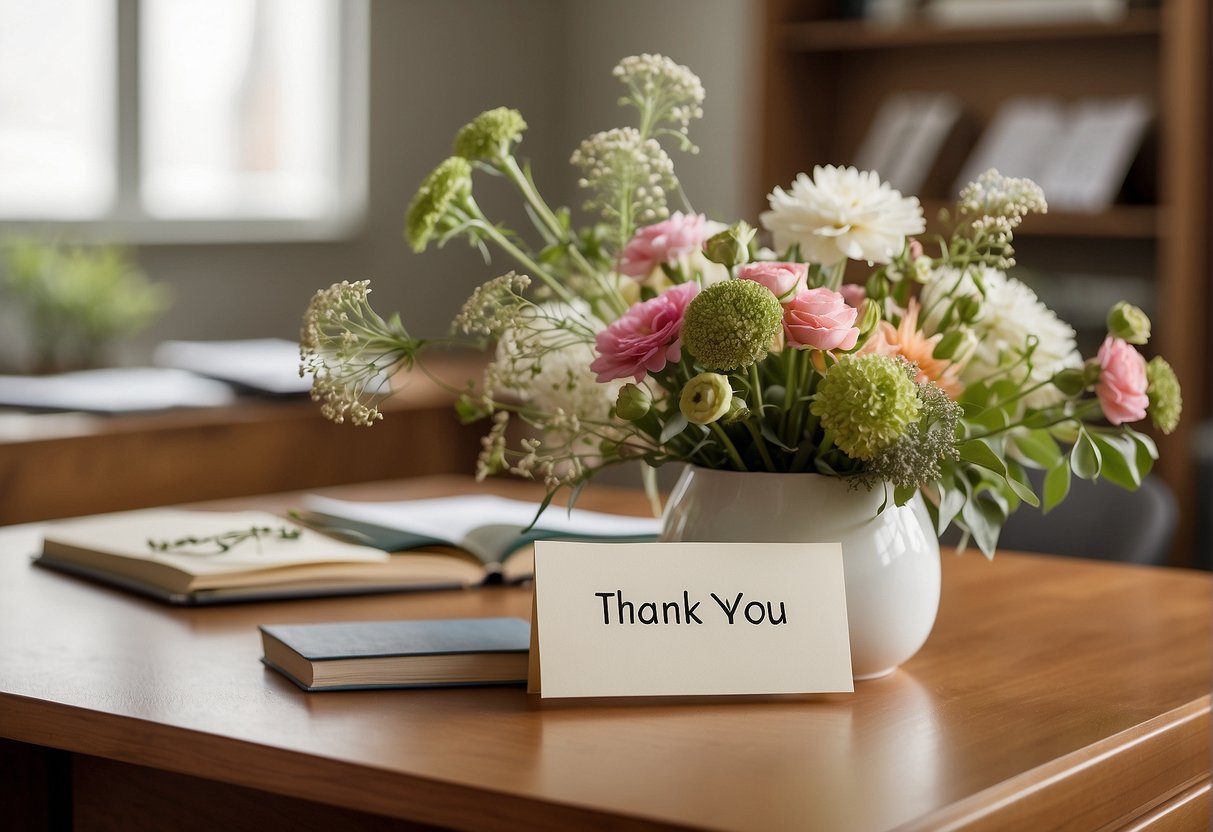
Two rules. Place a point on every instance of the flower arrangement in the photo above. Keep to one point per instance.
(655, 334)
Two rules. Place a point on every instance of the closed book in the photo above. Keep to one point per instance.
(362, 655)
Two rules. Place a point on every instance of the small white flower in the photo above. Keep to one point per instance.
(1006, 198)
(840, 213)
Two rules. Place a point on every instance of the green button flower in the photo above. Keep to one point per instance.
(868, 401)
(730, 325)
(447, 184)
(490, 134)
(1166, 400)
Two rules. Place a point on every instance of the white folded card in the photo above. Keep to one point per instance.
(664, 619)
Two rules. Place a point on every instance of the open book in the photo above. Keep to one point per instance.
(492, 533)
(115, 548)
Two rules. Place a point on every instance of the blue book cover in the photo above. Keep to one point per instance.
(362, 655)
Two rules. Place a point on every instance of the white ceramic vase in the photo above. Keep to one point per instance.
(891, 559)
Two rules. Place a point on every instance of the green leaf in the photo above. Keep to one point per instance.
(675, 426)
(979, 452)
(1119, 455)
(1038, 446)
(1084, 457)
(984, 520)
(1147, 452)
(903, 494)
(1057, 485)
(768, 433)
(947, 346)
(1024, 492)
(977, 394)
(951, 501)
(992, 419)
(1071, 382)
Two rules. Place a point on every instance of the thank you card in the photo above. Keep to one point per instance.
(657, 619)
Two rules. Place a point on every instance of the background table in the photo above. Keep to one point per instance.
(68, 464)
(1052, 694)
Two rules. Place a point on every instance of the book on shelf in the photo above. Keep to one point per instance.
(907, 137)
(364, 548)
(1019, 141)
(362, 655)
(1023, 12)
(1088, 169)
(1079, 153)
(493, 533)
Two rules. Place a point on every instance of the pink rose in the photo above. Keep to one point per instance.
(784, 280)
(820, 319)
(645, 338)
(853, 293)
(1122, 382)
(664, 242)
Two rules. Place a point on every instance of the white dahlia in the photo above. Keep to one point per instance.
(842, 212)
(1010, 314)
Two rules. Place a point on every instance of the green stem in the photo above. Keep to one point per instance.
(543, 211)
(729, 448)
(788, 395)
(527, 263)
(756, 386)
(836, 274)
(761, 445)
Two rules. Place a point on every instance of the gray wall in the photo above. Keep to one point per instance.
(434, 65)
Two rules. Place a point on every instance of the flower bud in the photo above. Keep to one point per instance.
(633, 402)
(737, 411)
(1129, 323)
(706, 398)
(869, 317)
(730, 247)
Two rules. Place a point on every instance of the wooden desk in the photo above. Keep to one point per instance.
(1053, 694)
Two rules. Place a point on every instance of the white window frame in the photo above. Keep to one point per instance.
(127, 221)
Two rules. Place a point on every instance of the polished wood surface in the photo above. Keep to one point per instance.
(1053, 693)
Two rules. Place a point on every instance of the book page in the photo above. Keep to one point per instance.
(488, 526)
(126, 535)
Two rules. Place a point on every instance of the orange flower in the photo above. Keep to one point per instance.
(906, 341)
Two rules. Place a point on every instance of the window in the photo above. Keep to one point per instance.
(158, 120)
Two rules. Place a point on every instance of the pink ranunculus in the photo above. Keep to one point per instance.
(785, 280)
(1122, 382)
(664, 242)
(645, 338)
(820, 319)
(853, 293)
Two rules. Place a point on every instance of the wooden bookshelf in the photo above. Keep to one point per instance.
(1120, 222)
(853, 35)
(824, 78)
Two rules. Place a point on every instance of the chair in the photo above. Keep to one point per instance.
(1098, 520)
